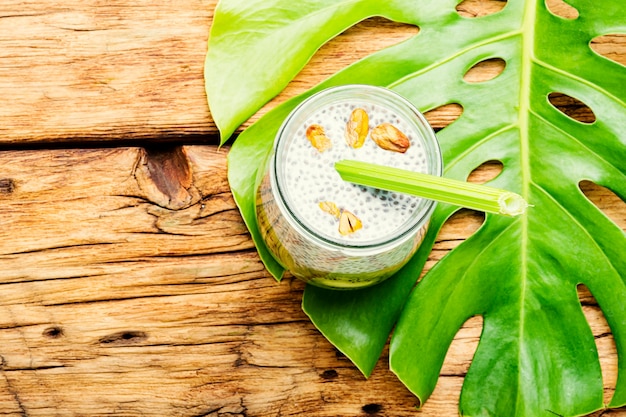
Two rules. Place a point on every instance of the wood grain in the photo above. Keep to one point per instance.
(129, 285)
(116, 300)
(93, 71)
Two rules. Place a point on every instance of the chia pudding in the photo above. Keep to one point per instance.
(330, 232)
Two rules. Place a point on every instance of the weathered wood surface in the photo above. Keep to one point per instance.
(128, 283)
(87, 70)
(130, 287)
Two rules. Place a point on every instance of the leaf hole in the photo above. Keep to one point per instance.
(485, 70)
(463, 347)
(611, 46)
(479, 8)
(562, 9)
(461, 225)
(603, 338)
(485, 172)
(442, 116)
(572, 107)
(606, 201)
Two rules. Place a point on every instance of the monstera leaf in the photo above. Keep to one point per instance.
(536, 355)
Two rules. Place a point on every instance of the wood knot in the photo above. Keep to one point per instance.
(165, 176)
(7, 186)
(329, 374)
(53, 332)
(371, 409)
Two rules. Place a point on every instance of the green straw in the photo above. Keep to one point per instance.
(446, 190)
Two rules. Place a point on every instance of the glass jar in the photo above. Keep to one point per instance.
(301, 201)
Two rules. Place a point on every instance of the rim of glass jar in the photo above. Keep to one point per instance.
(381, 96)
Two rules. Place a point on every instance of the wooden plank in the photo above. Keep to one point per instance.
(129, 284)
(83, 71)
(86, 70)
(131, 287)
(91, 70)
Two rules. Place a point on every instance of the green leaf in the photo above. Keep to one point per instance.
(256, 30)
(536, 355)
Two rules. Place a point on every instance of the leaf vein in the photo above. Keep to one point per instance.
(452, 57)
(574, 139)
(582, 228)
(581, 81)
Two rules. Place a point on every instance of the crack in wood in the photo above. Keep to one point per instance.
(108, 300)
(226, 411)
(16, 15)
(11, 389)
(33, 368)
(60, 247)
(124, 338)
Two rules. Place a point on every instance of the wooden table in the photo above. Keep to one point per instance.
(129, 285)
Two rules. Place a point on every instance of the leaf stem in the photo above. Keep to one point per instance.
(445, 190)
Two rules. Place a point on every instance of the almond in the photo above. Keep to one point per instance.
(330, 208)
(357, 128)
(390, 138)
(316, 135)
(348, 223)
